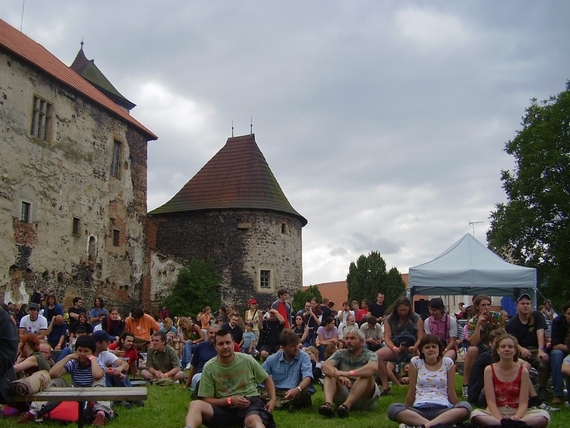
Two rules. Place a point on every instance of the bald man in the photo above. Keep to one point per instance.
(56, 332)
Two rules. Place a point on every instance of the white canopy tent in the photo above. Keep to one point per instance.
(470, 268)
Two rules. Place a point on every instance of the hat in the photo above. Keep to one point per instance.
(101, 335)
(249, 324)
(523, 296)
(252, 302)
(33, 306)
(80, 329)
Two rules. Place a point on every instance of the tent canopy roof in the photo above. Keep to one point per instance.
(468, 267)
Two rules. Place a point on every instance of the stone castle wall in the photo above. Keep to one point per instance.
(66, 177)
(241, 243)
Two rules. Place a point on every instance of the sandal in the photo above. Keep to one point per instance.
(343, 411)
(326, 410)
(386, 391)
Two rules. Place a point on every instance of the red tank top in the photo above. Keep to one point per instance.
(507, 393)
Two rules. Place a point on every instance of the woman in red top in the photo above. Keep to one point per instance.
(507, 388)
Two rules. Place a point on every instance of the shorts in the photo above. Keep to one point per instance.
(510, 411)
(232, 416)
(361, 403)
(428, 412)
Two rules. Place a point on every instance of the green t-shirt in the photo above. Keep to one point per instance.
(163, 361)
(241, 377)
(43, 364)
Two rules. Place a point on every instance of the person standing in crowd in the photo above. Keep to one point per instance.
(431, 399)
(478, 329)
(403, 330)
(283, 307)
(378, 308)
(507, 386)
(443, 326)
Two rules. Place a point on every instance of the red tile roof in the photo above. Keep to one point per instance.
(22, 46)
(237, 177)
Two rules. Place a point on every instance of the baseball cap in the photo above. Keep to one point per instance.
(524, 296)
(101, 335)
(33, 306)
(252, 302)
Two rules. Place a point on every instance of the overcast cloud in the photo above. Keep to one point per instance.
(383, 121)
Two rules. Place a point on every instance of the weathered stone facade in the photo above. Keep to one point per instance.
(84, 234)
(241, 243)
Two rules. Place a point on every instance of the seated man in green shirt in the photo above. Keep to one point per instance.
(161, 360)
(228, 390)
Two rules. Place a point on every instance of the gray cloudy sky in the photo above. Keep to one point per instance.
(384, 121)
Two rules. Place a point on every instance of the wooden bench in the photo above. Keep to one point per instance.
(83, 394)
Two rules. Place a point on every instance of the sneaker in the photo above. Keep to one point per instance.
(465, 391)
(188, 366)
(548, 408)
(99, 420)
(26, 417)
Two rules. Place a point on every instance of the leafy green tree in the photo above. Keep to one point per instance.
(197, 286)
(306, 295)
(533, 227)
(394, 286)
(366, 277)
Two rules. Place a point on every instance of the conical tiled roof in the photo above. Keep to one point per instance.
(89, 71)
(237, 177)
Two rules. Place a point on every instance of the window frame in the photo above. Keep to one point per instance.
(116, 237)
(42, 114)
(116, 158)
(26, 212)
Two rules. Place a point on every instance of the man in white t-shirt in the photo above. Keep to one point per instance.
(33, 323)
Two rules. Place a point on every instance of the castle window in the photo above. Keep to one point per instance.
(26, 212)
(41, 118)
(265, 279)
(284, 228)
(116, 237)
(116, 162)
(76, 224)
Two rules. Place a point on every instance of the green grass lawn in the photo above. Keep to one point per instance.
(167, 406)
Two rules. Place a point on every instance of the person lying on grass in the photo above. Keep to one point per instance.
(431, 397)
(349, 377)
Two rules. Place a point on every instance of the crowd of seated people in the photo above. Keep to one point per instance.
(411, 352)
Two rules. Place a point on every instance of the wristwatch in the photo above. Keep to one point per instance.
(299, 388)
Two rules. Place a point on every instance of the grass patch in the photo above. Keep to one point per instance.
(167, 407)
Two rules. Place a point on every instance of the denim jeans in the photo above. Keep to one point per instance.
(187, 352)
(556, 357)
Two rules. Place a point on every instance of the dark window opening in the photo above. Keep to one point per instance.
(116, 237)
(41, 118)
(26, 212)
(76, 224)
(116, 162)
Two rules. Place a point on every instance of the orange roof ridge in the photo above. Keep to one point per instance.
(34, 53)
(237, 177)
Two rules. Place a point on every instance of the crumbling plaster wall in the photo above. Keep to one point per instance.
(65, 177)
(241, 243)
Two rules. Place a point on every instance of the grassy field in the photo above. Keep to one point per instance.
(167, 406)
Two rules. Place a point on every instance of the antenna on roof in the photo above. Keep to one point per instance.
(82, 43)
(22, 19)
(251, 126)
(232, 128)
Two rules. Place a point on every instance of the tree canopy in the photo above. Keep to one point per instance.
(197, 286)
(368, 276)
(302, 296)
(533, 227)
